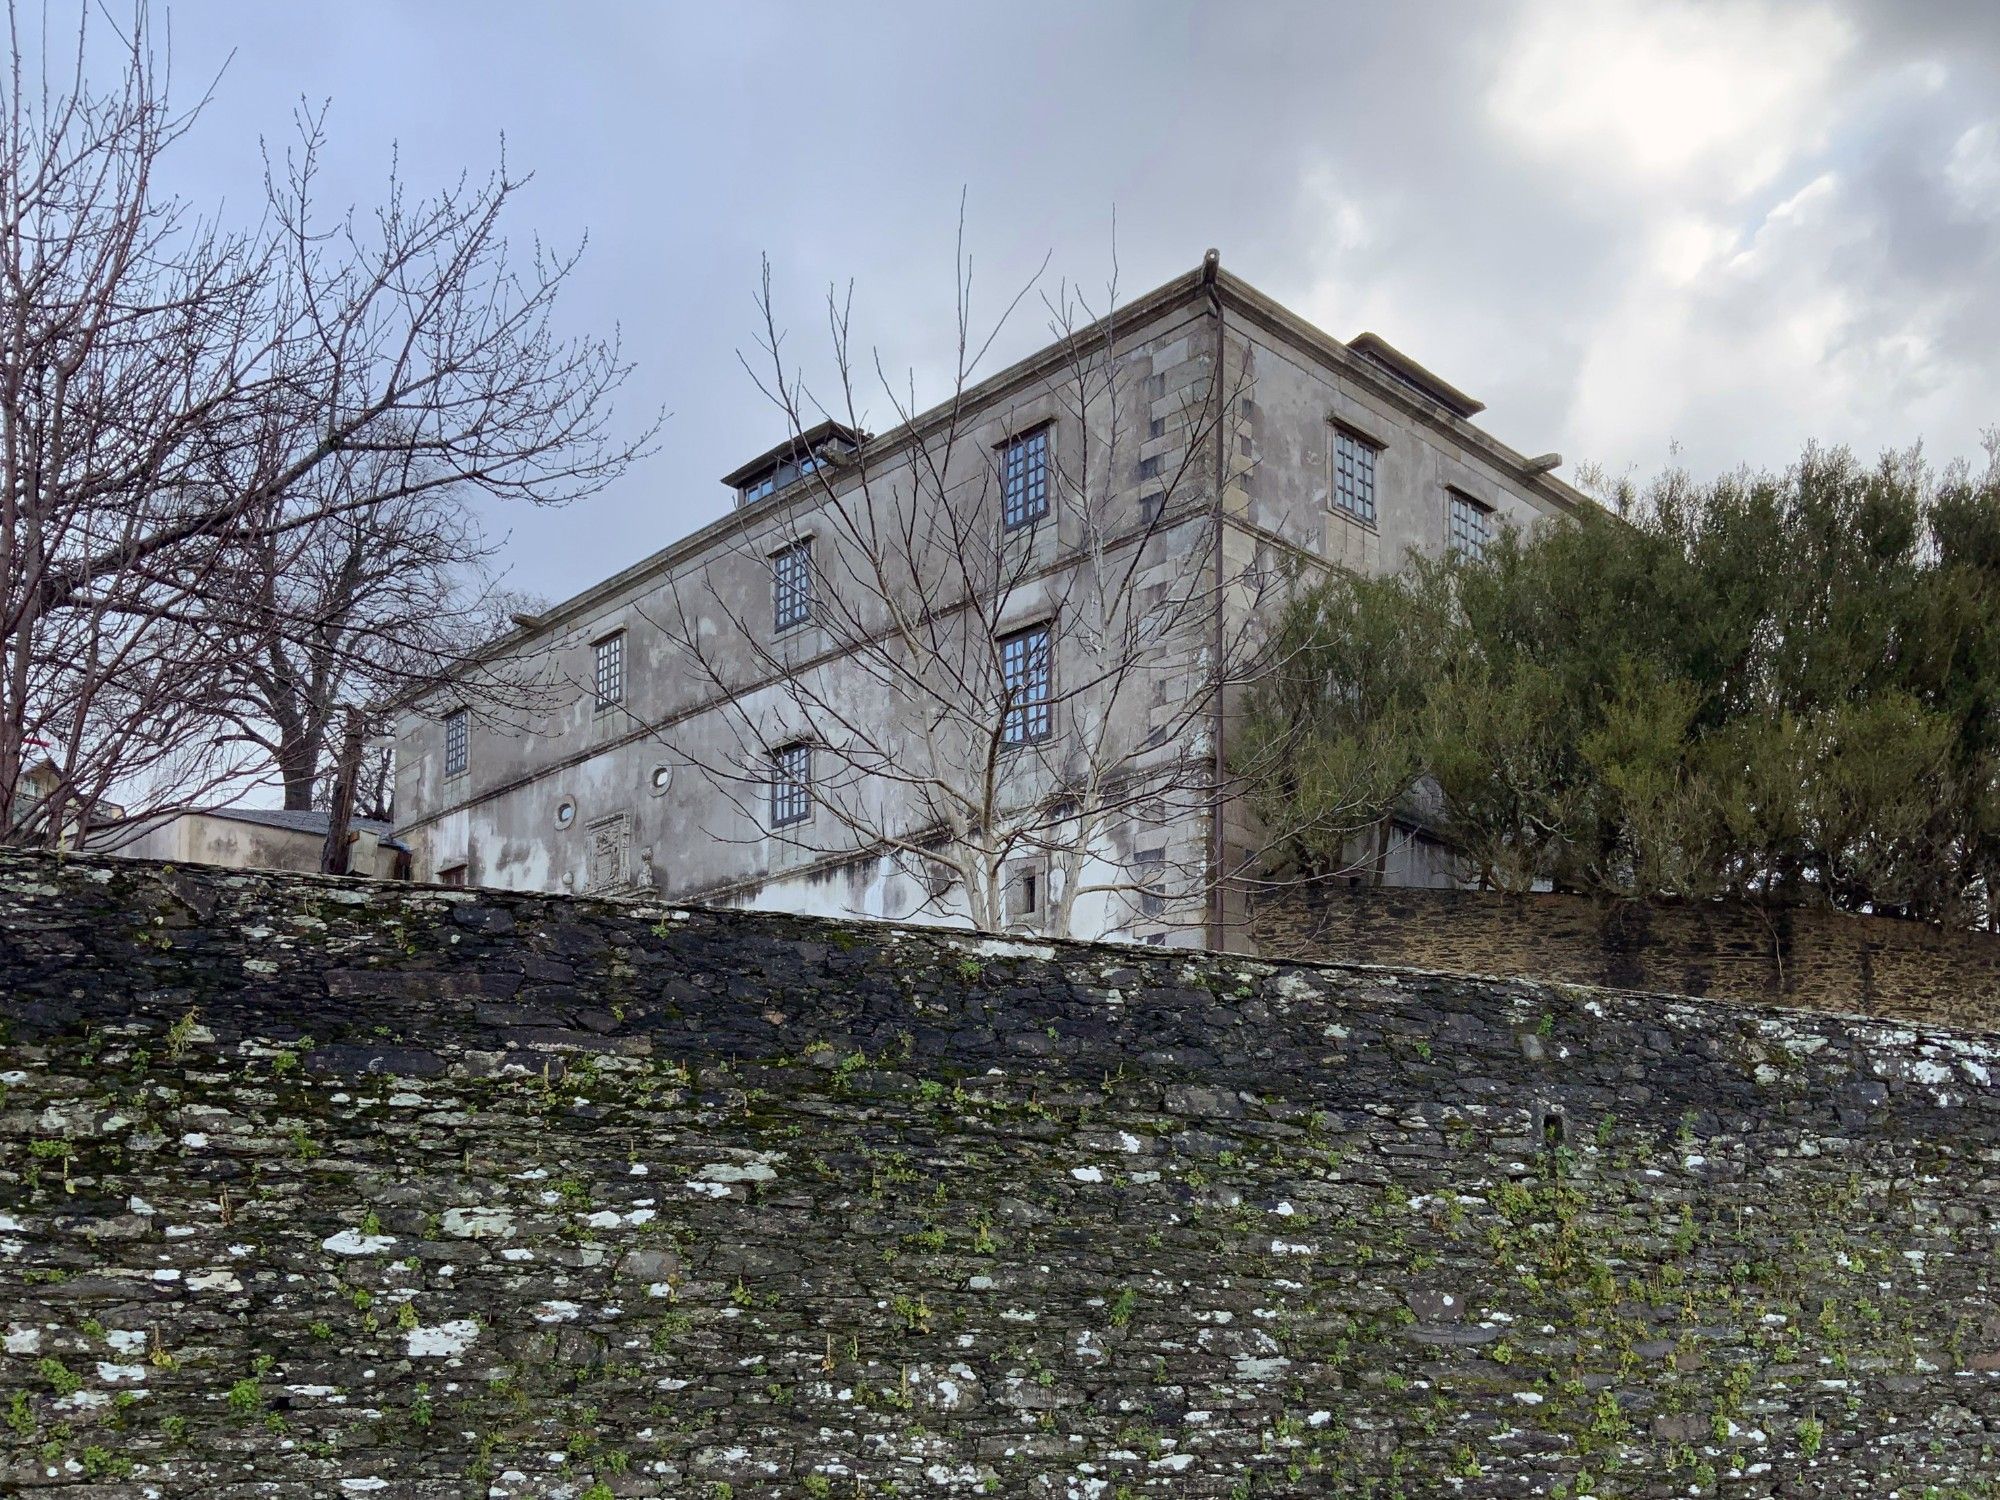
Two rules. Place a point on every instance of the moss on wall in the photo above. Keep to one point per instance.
(319, 1189)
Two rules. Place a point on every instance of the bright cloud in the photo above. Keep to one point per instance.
(1973, 170)
(1771, 341)
(1646, 95)
(1731, 225)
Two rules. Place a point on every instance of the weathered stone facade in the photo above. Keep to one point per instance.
(1249, 491)
(318, 1188)
(1805, 956)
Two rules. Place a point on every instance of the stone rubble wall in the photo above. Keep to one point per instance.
(1805, 956)
(313, 1188)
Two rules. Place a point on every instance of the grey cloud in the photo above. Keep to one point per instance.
(691, 140)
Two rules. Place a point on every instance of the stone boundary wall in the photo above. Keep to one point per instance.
(1824, 960)
(321, 1189)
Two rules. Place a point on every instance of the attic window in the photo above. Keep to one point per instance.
(805, 454)
(1412, 376)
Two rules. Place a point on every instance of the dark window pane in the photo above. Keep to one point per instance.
(1027, 679)
(1024, 480)
(791, 785)
(1469, 525)
(1354, 475)
(1149, 873)
(457, 742)
(792, 585)
(610, 671)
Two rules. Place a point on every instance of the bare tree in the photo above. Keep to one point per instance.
(356, 610)
(1007, 684)
(181, 404)
(324, 627)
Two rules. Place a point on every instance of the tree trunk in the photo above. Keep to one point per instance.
(340, 812)
(298, 767)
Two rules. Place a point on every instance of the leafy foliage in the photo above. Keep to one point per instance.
(1778, 686)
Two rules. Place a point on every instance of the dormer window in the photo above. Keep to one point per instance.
(811, 451)
(1411, 376)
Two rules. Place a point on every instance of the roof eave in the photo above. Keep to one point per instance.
(1186, 287)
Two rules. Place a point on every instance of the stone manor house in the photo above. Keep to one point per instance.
(1320, 454)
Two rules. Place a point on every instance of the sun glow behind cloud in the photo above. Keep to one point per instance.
(1675, 99)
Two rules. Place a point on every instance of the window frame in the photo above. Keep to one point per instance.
(802, 591)
(1361, 443)
(613, 643)
(1149, 874)
(1456, 503)
(1031, 874)
(1041, 435)
(457, 742)
(1036, 716)
(790, 794)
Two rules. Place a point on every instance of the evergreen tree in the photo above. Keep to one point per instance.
(1781, 687)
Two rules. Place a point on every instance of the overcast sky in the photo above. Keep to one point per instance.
(1625, 227)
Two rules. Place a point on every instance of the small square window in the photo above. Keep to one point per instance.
(1468, 525)
(792, 585)
(1354, 474)
(1024, 480)
(1157, 428)
(452, 875)
(938, 876)
(1027, 680)
(791, 784)
(1149, 468)
(609, 671)
(1025, 890)
(457, 742)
